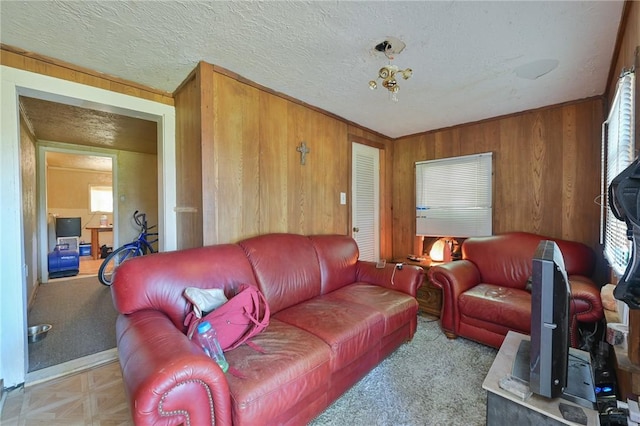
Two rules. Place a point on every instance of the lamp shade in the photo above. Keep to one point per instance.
(441, 250)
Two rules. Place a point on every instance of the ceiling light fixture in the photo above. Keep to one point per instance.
(389, 73)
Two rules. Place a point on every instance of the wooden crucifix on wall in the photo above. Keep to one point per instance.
(303, 150)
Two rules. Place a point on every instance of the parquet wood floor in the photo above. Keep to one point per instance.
(93, 397)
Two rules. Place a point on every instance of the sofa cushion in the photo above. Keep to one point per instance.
(286, 268)
(396, 307)
(508, 307)
(349, 329)
(338, 256)
(294, 365)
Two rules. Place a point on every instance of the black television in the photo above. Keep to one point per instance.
(550, 298)
(68, 227)
(547, 361)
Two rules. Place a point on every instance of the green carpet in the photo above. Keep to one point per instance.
(83, 318)
(429, 381)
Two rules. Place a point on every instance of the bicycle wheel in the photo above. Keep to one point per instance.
(113, 260)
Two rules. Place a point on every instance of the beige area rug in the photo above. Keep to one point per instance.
(429, 381)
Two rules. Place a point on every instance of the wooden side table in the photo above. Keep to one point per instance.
(95, 238)
(429, 297)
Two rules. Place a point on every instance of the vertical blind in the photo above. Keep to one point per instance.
(618, 149)
(453, 196)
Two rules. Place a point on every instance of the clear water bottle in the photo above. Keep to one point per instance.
(209, 342)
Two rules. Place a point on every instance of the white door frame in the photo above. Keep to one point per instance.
(14, 83)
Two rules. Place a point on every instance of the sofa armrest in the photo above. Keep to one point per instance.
(454, 278)
(586, 303)
(168, 378)
(408, 279)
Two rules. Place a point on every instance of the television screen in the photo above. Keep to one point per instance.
(68, 227)
(547, 361)
(550, 297)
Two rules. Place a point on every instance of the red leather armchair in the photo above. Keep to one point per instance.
(485, 295)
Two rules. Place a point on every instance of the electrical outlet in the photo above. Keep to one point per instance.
(343, 198)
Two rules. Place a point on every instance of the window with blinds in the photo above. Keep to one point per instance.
(618, 150)
(453, 196)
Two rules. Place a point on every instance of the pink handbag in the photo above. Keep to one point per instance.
(237, 320)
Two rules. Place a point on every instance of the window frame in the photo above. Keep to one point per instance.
(618, 128)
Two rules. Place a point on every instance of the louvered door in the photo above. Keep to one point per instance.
(365, 196)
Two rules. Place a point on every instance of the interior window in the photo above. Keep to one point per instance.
(101, 199)
(618, 151)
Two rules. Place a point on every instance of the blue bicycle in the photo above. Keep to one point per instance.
(138, 247)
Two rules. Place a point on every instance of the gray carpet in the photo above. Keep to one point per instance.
(429, 381)
(83, 318)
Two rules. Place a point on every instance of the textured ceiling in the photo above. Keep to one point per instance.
(82, 126)
(470, 60)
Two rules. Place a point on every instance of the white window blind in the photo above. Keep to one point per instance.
(101, 199)
(618, 149)
(453, 196)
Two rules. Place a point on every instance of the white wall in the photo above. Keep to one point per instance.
(14, 82)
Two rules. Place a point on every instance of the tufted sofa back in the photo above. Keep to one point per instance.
(506, 259)
(287, 268)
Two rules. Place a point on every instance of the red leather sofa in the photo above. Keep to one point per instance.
(484, 294)
(333, 318)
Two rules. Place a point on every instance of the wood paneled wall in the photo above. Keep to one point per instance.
(189, 163)
(250, 176)
(546, 171)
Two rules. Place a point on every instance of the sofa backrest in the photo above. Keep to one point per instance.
(286, 268)
(157, 281)
(338, 257)
(506, 259)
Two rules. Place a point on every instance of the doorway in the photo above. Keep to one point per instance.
(75, 180)
(13, 267)
(78, 307)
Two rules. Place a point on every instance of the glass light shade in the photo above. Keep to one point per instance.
(389, 83)
(441, 250)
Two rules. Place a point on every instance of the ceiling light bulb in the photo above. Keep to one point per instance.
(389, 83)
(373, 85)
